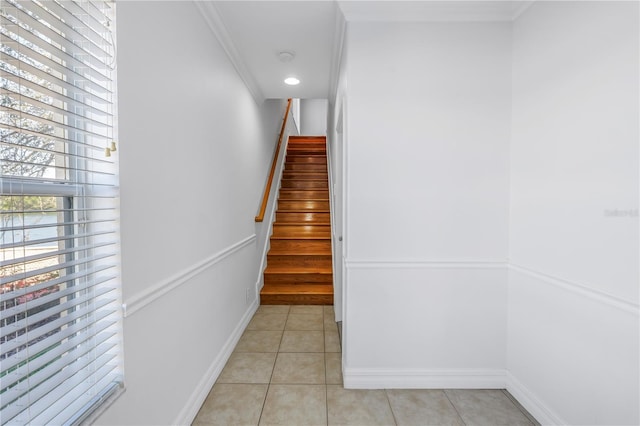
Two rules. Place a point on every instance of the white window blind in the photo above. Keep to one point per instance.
(60, 350)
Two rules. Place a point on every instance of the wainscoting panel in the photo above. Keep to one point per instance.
(572, 352)
(425, 324)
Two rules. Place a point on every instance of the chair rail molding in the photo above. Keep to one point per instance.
(579, 289)
(155, 291)
(425, 264)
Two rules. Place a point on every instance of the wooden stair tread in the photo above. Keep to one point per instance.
(304, 210)
(301, 223)
(301, 252)
(297, 270)
(310, 237)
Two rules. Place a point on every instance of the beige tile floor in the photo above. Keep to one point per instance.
(285, 370)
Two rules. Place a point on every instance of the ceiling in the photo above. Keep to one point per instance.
(253, 33)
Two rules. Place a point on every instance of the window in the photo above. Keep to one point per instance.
(60, 316)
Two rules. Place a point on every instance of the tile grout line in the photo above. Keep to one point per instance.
(386, 394)
(520, 407)
(273, 369)
(444, 391)
(326, 388)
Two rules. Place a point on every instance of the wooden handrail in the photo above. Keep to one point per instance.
(267, 190)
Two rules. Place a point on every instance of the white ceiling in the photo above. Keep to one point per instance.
(254, 32)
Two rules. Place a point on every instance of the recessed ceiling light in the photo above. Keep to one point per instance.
(291, 81)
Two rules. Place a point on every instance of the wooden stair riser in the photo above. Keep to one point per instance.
(307, 139)
(315, 147)
(303, 205)
(302, 194)
(300, 246)
(313, 175)
(283, 295)
(300, 260)
(306, 159)
(296, 231)
(298, 217)
(298, 142)
(305, 167)
(296, 153)
(297, 279)
(304, 184)
(296, 299)
(320, 149)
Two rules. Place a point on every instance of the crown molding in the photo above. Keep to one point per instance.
(520, 7)
(434, 10)
(216, 24)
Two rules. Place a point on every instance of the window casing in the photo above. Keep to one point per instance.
(60, 316)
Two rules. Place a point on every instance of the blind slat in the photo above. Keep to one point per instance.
(53, 225)
(61, 40)
(108, 385)
(52, 296)
(74, 86)
(56, 267)
(84, 145)
(15, 36)
(43, 345)
(12, 376)
(68, 16)
(43, 286)
(61, 379)
(26, 101)
(42, 331)
(49, 254)
(54, 152)
(71, 389)
(20, 114)
(47, 91)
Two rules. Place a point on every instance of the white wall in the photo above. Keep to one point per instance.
(573, 287)
(194, 154)
(313, 117)
(427, 204)
(295, 112)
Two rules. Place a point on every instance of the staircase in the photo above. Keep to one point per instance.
(299, 268)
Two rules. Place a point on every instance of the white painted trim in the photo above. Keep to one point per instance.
(216, 24)
(405, 378)
(542, 413)
(191, 408)
(154, 292)
(336, 53)
(425, 264)
(579, 289)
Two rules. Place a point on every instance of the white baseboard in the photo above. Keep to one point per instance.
(371, 378)
(191, 408)
(541, 412)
